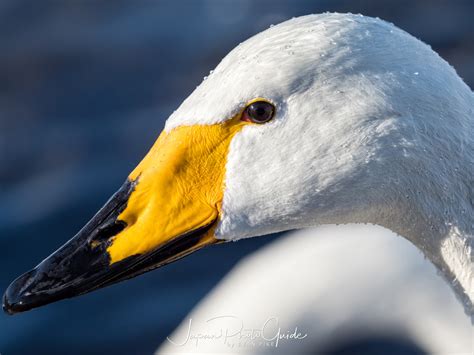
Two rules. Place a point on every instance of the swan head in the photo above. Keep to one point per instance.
(322, 119)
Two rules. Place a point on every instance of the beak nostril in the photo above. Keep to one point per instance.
(105, 232)
(94, 243)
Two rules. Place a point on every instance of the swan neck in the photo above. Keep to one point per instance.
(448, 244)
(457, 264)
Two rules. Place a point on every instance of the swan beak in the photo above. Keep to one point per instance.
(167, 208)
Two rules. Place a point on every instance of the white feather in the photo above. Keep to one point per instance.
(372, 126)
(337, 285)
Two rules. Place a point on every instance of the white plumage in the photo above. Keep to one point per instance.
(337, 285)
(372, 126)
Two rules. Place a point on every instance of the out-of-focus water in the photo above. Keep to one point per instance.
(85, 88)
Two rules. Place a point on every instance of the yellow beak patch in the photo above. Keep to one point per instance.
(179, 188)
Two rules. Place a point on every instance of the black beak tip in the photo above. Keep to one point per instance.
(7, 306)
(14, 298)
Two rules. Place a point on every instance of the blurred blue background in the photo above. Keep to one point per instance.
(85, 88)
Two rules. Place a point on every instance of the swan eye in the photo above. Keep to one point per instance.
(258, 112)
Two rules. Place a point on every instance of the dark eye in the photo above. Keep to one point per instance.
(259, 112)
